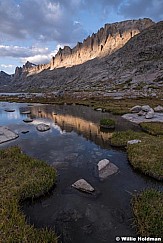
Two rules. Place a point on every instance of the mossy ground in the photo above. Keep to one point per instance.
(146, 156)
(22, 177)
(148, 213)
(154, 128)
(107, 122)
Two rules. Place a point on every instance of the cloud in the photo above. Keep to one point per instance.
(41, 58)
(6, 65)
(33, 54)
(18, 51)
(54, 20)
(48, 20)
(128, 8)
(145, 8)
(7, 68)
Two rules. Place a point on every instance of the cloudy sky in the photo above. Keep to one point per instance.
(33, 30)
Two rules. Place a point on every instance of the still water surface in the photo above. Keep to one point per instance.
(74, 145)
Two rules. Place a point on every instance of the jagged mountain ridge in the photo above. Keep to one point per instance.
(132, 69)
(136, 69)
(106, 41)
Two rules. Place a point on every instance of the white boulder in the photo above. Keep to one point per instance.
(146, 108)
(136, 109)
(102, 164)
(134, 141)
(150, 114)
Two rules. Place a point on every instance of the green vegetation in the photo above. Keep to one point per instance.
(117, 107)
(145, 156)
(148, 213)
(120, 139)
(154, 128)
(107, 123)
(22, 177)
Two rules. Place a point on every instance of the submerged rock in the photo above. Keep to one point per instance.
(9, 110)
(83, 185)
(6, 134)
(42, 127)
(28, 120)
(134, 141)
(108, 170)
(25, 112)
(24, 132)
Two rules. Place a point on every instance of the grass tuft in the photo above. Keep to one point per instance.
(107, 123)
(148, 213)
(146, 156)
(22, 177)
(120, 139)
(154, 128)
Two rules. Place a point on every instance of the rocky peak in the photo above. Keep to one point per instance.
(28, 65)
(3, 74)
(4, 78)
(107, 40)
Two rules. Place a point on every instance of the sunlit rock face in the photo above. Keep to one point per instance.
(106, 41)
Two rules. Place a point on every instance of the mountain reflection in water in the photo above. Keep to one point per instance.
(71, 122)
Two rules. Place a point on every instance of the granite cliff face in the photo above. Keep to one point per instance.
(106, 41)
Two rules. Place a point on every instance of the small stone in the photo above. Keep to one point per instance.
(83, 185)
(102, 164)
(42, 127)
(136, 109)
(134, 141)
(98, 109)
